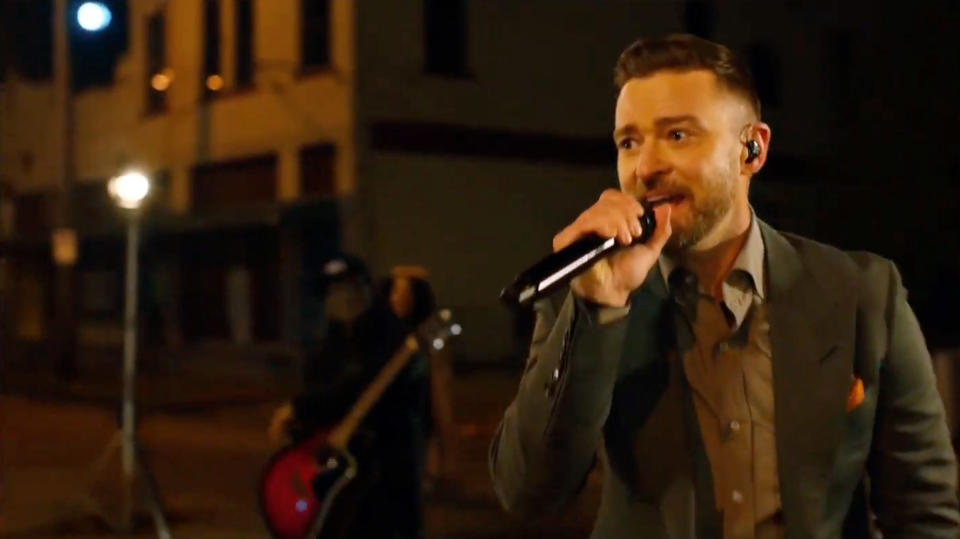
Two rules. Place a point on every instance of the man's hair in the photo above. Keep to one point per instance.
(682, 53)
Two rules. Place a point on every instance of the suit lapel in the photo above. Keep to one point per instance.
(811, 378)
(642, 381)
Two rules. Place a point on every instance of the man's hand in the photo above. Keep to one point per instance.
(280, 423)
(611, 280)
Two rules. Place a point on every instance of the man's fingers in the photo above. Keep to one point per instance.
(614, 215)
(601, 225)
(663, 231)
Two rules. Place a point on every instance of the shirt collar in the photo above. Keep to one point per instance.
(746, 278)
(750, 259)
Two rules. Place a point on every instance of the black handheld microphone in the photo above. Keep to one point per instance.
(559, 268)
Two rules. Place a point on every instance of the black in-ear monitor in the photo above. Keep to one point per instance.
(753, 150)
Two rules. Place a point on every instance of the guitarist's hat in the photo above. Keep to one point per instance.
(345, 268)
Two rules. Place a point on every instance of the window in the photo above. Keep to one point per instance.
(158, 79)
(315, 33)
(317, 171)
(90, 200)
(212, 80)
(5, 41)
(244, 42)
(445, 37)
(234, 184)
(31, 37)
(31, 214)
(100, 293)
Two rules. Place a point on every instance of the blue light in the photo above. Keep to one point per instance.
(93, 16)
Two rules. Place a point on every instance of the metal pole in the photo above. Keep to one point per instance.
(64, 337)
(130, 365)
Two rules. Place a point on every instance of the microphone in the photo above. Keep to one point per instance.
(559, 268)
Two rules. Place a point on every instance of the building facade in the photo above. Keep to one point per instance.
(459, 135)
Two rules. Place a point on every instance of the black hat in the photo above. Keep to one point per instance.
(344, 268)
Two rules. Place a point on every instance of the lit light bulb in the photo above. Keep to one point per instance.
(129, 189)
(93, 16)
(215, 83)
(160, 82)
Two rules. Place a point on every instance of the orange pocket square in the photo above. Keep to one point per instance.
(855, 397)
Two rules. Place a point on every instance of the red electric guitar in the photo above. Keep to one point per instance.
(302, 482)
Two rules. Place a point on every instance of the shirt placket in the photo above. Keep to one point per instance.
(717, 379)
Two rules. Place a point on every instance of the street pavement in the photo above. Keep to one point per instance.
(204, 439)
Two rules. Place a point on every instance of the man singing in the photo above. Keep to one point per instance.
(733, 380)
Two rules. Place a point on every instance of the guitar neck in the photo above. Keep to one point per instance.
(340, 436)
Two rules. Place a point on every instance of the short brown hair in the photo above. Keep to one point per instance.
(685, 52)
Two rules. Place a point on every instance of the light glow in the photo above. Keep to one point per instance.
(129, 189)
(161, 81)
(93, 16)
(214, 83)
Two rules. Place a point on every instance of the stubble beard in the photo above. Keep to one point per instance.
(706, 215)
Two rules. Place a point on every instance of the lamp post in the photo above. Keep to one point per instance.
(90, 17)
(128, 191)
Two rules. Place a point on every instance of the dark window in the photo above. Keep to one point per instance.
(212, 78)
(315, 33)
(767, 77)
(235, 184)
(158, 82)
(317, 171)
(100, 293)
(160, 196)
(31, 215)
(31, 38)
(445, 37)
(5, 41)
(93, 206)
(244, 50)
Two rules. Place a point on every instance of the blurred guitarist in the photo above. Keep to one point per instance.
(391, 445)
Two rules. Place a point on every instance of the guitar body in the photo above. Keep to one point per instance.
(301, 485)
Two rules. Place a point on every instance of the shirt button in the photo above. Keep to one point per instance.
(723, 347)
(556, 374)
(735, 425)
(736, 496)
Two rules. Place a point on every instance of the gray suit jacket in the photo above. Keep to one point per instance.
(590, 389)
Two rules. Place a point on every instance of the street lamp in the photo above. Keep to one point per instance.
(128, 191)
(93, 16)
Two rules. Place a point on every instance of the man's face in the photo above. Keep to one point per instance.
(345, 301)
(401, 297)
(678, 133)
